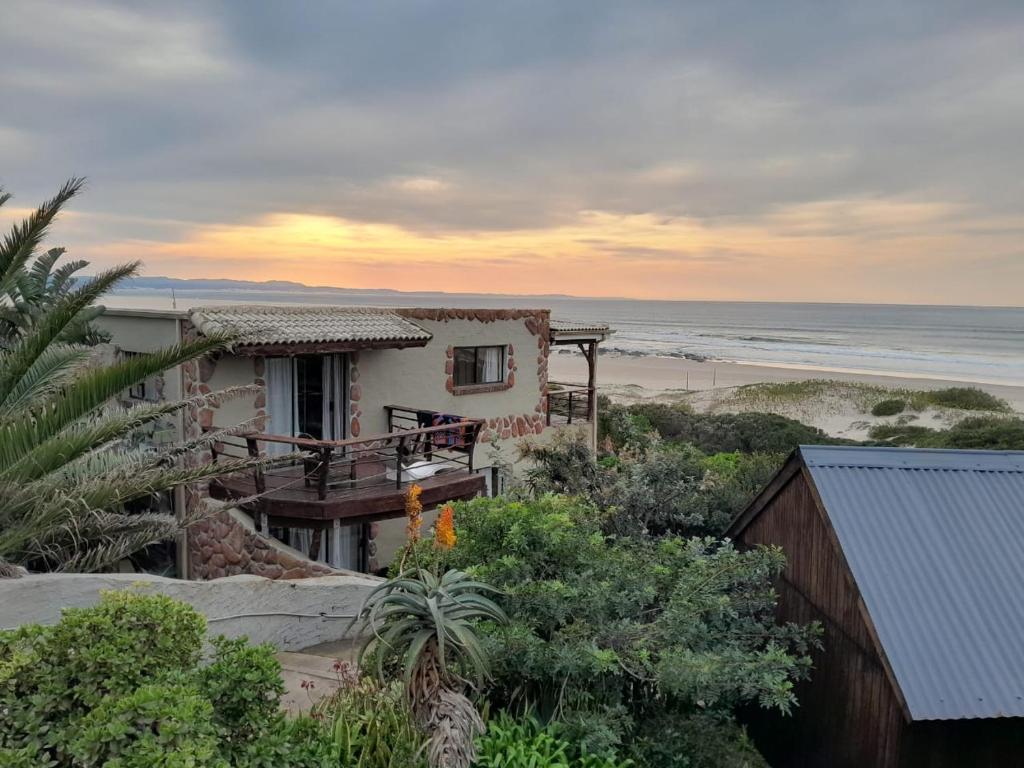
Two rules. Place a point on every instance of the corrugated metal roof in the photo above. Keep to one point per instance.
(260, 324)
(935, 540)
(567, 326)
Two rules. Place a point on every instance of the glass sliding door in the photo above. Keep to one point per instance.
(307, 395)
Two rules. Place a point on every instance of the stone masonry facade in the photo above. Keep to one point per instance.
(220, 545)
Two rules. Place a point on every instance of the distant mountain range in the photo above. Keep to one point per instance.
(185, 286)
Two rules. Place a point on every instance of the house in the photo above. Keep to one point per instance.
(359, 403)
(913, 561)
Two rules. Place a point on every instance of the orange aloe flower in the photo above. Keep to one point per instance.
(413, 513)
(444, 530)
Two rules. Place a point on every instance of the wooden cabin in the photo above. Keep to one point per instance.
(913, 562)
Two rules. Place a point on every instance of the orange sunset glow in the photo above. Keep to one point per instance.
(589, 153)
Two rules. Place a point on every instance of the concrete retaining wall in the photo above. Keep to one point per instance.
(286, 613)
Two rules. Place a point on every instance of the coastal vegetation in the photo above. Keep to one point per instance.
(69, 469)
(769, 396)
(987, 433)
(127, 684)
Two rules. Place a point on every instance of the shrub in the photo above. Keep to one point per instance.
(50, 677)
(525, 743)
(697, 741)
(980, 432)
(888, 407)
(666, 489)
(371, 726)
(729, 432)
(609, 632)
(119, 685)
(154, 726)
(243, 682)
(967, 399)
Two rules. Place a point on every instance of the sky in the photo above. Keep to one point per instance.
(777, 151)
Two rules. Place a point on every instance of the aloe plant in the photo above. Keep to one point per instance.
(428, 623)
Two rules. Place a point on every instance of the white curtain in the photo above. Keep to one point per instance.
(280, 401)
(491, 358)
(302, 539)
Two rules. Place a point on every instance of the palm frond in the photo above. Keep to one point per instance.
(20, 357)
(20, 243)
(47, 376)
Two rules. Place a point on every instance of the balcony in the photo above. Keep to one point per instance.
(570, 403)
(322, 483)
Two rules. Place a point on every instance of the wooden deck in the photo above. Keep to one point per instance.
(288, 499)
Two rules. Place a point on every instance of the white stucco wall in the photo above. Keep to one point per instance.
(140, 332)
(416, 377)
(284, 613)
(233, 371)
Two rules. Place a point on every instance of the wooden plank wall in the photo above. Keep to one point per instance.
(848, 713)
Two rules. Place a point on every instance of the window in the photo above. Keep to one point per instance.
(136, 391)
(479, 365)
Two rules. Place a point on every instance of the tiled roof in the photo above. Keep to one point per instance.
(567, 326)
(935, 541)
(262, 324)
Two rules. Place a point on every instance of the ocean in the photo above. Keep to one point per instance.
(970, 344)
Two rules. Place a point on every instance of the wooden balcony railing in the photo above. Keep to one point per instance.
(361, 478)
(569, 403)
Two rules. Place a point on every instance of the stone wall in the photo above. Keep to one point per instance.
(226, 544)
(292, 615)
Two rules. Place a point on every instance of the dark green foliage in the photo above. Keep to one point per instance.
(607, 632)
(371, 726)
(656, 488)
(680, 491)
(728, 432)
(565, 466)
(967, 399)
(51, 677)
(243, 683)
(525, 743)
(888, 407)
(981, 433)
(698, 741)
(162, 726)
(121, 685)
(300, 743)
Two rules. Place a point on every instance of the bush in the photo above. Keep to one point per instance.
(657, 489)
(967, 399)
(243, 683)
(119, 685)
(51, 677)
(979, 433)
(371, 726)
(609, 632)
(525, 743)
(888, 408)
(729, 432)
(698, 741)
(154, 726)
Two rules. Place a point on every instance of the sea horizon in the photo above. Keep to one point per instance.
(972, 344)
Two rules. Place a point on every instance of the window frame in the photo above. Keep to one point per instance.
(498, 384)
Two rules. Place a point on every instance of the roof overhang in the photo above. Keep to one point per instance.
(565, 332)
(307, 330)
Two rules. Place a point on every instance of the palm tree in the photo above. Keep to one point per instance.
(428, 623)
(67, 466)
(37, 290)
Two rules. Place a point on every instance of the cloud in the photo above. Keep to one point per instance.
(764, 130)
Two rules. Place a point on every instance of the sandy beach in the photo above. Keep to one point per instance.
(840, 407)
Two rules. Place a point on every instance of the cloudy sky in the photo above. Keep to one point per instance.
(730, 150)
